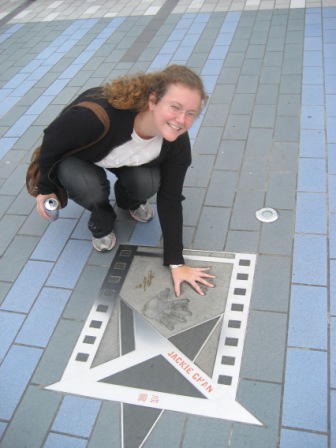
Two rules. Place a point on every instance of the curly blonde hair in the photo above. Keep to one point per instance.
(133, 91)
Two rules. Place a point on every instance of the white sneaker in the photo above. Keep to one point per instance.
(104, 244)
(143, 213)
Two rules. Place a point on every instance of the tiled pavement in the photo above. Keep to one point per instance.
(267, 139)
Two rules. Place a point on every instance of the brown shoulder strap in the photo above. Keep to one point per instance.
(100, 112)
(103, 117)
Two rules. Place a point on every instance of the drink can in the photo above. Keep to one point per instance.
(52, 208)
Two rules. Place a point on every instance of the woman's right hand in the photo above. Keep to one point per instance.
(40, 199)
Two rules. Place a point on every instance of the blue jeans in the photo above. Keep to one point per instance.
(88, 186)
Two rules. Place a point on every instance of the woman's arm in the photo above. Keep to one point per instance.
(169, 203)
(169, 198)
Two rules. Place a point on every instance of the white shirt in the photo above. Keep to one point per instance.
(133, 153)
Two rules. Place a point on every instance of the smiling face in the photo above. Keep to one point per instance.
(174, 113)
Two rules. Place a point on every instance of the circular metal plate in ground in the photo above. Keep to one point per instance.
(267, 215)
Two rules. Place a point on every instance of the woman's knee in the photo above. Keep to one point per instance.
(85, 182)
(140, 182)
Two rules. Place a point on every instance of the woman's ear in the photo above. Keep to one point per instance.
(152, 101)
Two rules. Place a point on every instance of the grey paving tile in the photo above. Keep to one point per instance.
(290, 84)
(4, 288)
(106, 431)
(3, 427)
(85, 292)
(193, 205)
(188, 236)
(253, 174)
(215, 116)
(263, 20)
(241, 241)
(255, 51)
(34, 225)
(292, 66)
(251, 66)
(239, 45)
(9, 163)
(267, 331)
(13, 184)
(262, 400)
(247, 84)
(215, 432)
(222, 188)
(259, 37)
(267, 94)
(289, 105)
(281, 191)
(275, 44)
(230, 155)
(287, 129)
(9, 225)
(280, 17)
(212, 228)
(242, 103)
(197, 60)
(234, 60)
(208, 140)
(273, 58)
(248, 19)
(270, 75)
(245, 206)
(271, 287)
(296, 19)
(55, 358)
(204, 46)
(228, 75)
(22, 205)
(237, 127)
(25, 431)
(263, 116)
(277, 237)
(5, 203)
(199, 172)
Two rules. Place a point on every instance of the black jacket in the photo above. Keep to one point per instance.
(79, 126)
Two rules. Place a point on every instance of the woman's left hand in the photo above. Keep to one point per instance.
(193, 276)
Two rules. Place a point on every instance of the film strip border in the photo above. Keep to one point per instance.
(231, 342)
(100, 314)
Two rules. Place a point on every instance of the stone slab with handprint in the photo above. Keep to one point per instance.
(148, 289)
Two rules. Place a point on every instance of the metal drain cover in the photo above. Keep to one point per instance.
(267, 215)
